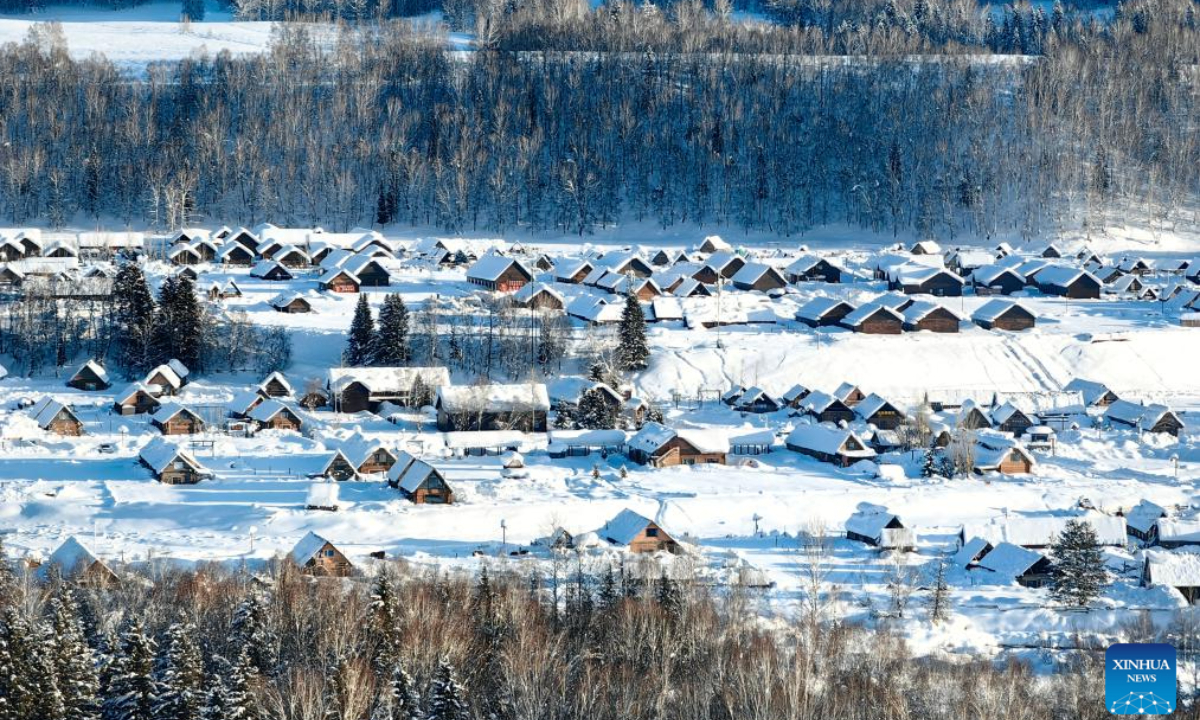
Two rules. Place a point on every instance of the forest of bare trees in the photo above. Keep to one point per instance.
(695, 120)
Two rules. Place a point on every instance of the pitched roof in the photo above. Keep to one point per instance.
(991, 310)
(622, 529)
(921, 309)
(159, 453)
(47, 409)
(804, 263)
(819, 307)
(491, 266)
(1173, 569)
(1009, 560)
(73, 556)
(751, 272)
(1042, 530)
(266, 410)
(310, 544)
(1132, 413)
(869, 520)
(96, 369)
(1091, 391)
(651, 437)
(384, 380)
(989, 274)
(865, 312)
(277, 377)
(872, 404)
(169, 410)
(827, 441)
(1143, 516)
(496, 397)
(1063, 275)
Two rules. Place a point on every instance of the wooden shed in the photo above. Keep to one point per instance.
(175, 419)
(659, 446)
(90, 376)
(56, 417)
(874, 319)
(1004, 315)
(171, 464)
(931, 317)
(637, 534)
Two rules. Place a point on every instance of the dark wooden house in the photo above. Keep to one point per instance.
(659, 446)
(175, 419)
(91, 376)
(316, 556)
(1004, 315)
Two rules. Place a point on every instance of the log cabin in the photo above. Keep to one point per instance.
(873, 525)
(1004, 315)
(499, 273)
(539, 296)
(316, 556)
(175, 419)
(339, 280)
(137, 399)
(824, 312)
(291, 302)
(659, 446)
(759, 277)
(57, 418)
(874, 319)
(74, 562)
(521, 407)
(825, 408)
(171, 464)
(423, 484)
(810, 268)
(828, 444)
(275, 415)
(90, 376)
(931, 317)
(365, 389)
(1069, 282)
(637, 534)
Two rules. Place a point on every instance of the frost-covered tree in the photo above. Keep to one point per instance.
(181, 675)
(399, 699)
(669, 596)
(134, 323)
(391, 338)
(596, 410)
(384, 614)
(632, 351)
(939, 597)
(360, 343)
(133, 691)
(28, 684)
(251, 633)
(447, 701)
(1079, 574)
(72, 658)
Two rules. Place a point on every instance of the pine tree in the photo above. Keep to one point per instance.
(564, 416)
(189, 326)
(608, 594)
(361, 341)
(232, 694)
(928, 467)
(73, 660)
(399, 700)
(668, 596)
(391, 340)
(28, 686)
(596, 411)
(939, 599)
(1079, 573)
(446, 699)
(384, 614)
(632, 351)
(133, 692)
(251, 633)
(9, 587)
(133, 320)
(181, 675)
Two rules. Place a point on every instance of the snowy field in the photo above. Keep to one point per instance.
(253, 508)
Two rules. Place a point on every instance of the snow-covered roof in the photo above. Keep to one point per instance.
(803, 264)
(828, 441)
(969, 552)
(383, 380)
(968, 259)
(73, 556)
(159, 453)
(1009, 560)
(358, 449)
(1173, 568)
(1132, 413)
(751, 272)
(794, 393)
(168, 374)
(503, 398)
(596, 310)
(169, 410)
(864, 312)
(1062, 275)
(993, 309)
(651, 437)
(415, 476)
(276, 376)
(310, 544)
(989, 274)
(332, 274)
(690, 286)
(1179, 531)
(817, 401)
(1041, 531)
(263, 267)
(623, 528)
(666, 308)
(928, 247)
(819, 307)
(869, 520)
(917, 273)
(231, 247)
(268, 409)
(532, 290)
(96, 369)
(131, 390)
(870, 405)
(718, 261)
(1005, 412)
(47, 409)
(715, 243)
(491, 266)
(921, 309)
(567, 269)
(1143, 516)
(1091, 391)
(242, 402)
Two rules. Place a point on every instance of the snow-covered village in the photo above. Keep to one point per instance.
(598, 360)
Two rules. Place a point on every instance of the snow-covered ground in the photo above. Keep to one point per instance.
(253, 508)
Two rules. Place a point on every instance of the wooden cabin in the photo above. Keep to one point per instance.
(499, 273)
(74, 562)
(873, 525)
(56, 418)
(137, 399)
(339, 281)
(171, 464)
(175, 419)
(366, 389)
(1068, 282)
(872, 319)
(339, 468)
(825, 408)
(423, 484)
(492, 407)
(824, 312)
(812, 269)
(637, 534)
(275, 415)
(1004, 315)
(91, 377)
(828, 444)
(316, 556)
(291, 303)
(659, 446)
(760, 277)
(930, 317)
(879, 412)
(271, 270)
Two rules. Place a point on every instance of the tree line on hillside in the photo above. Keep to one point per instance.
(626, 642)
(702, 120)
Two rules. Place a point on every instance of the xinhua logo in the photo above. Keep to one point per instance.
(1139, 679)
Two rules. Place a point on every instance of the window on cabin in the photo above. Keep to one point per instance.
(328, 553)
(652, 532)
